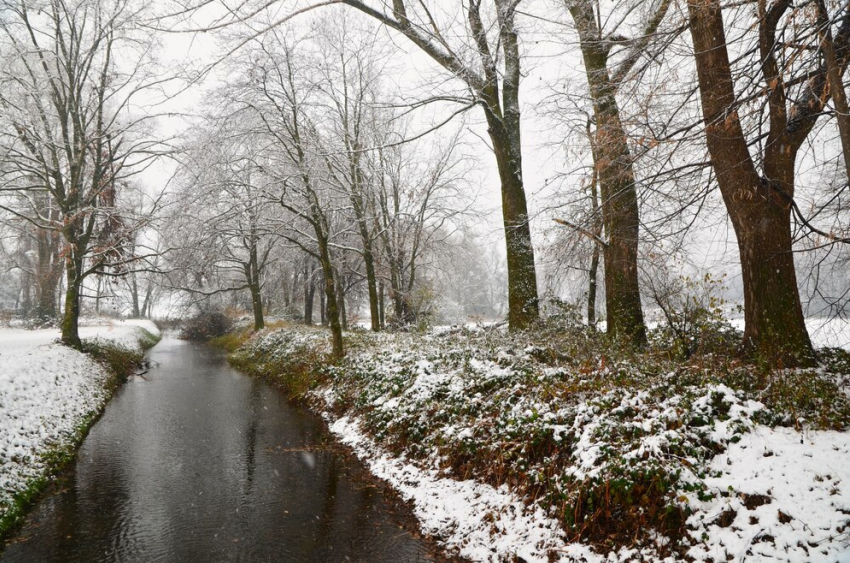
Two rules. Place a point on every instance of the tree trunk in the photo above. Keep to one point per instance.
(594, 257)
(613, 162)
(523, 307)
(343, 314)
(774, 324)
(591, 287)
(323, 310)
(257, 306)
(48, 274)
(97, 292)
(71, 319)
(381, 306)
(775, 330)
(356, 197)
(134, 296)
(148, 302)
(330, 297)
(252, 273)
(834, 72)
(309, 292)
(372, 283)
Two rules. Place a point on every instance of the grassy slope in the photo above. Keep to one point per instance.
(608, 440)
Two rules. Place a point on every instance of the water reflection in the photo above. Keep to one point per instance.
(199, 463)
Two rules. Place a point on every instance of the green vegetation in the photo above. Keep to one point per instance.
(609, 439)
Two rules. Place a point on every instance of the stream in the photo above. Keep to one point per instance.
(198, 462)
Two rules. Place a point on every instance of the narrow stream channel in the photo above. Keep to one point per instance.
(201, 463)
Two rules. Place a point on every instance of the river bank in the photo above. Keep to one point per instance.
(198, 462)
(51, 395)
(552, 446)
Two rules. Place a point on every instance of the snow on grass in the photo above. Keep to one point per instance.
(552, 447)
(122, 332)
(779, 495)
(47, 390)
(475, 520)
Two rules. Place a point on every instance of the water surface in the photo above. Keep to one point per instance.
(198, 462)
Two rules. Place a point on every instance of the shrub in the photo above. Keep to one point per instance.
(206, 325)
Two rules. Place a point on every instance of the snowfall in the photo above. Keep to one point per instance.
(46, 391)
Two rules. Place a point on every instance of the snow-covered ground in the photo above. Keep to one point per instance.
(780, 495)
(774, 493)
(46, 391)
(791, 499)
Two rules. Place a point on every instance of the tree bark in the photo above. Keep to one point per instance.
(615, 171)
(134, 296)
(759, 208)
(594, 257)
(834, 72)
(71, 318)
(330, 296)
(381, 306)
(309, 292)
(48, 273)
(323, 310)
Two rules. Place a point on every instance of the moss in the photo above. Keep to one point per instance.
(120, 364)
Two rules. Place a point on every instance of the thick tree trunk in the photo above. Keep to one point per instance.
(775, 330)
(774, 324)
(71, 318)
(257, 306)
(615, 170)
(523, 307)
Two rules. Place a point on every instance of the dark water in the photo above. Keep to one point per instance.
(203, 464)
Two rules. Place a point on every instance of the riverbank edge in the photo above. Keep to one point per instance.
(296, 360)
(120, 363)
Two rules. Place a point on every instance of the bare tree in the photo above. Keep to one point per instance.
(224, 225)
(613, 159)
(68, 135)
